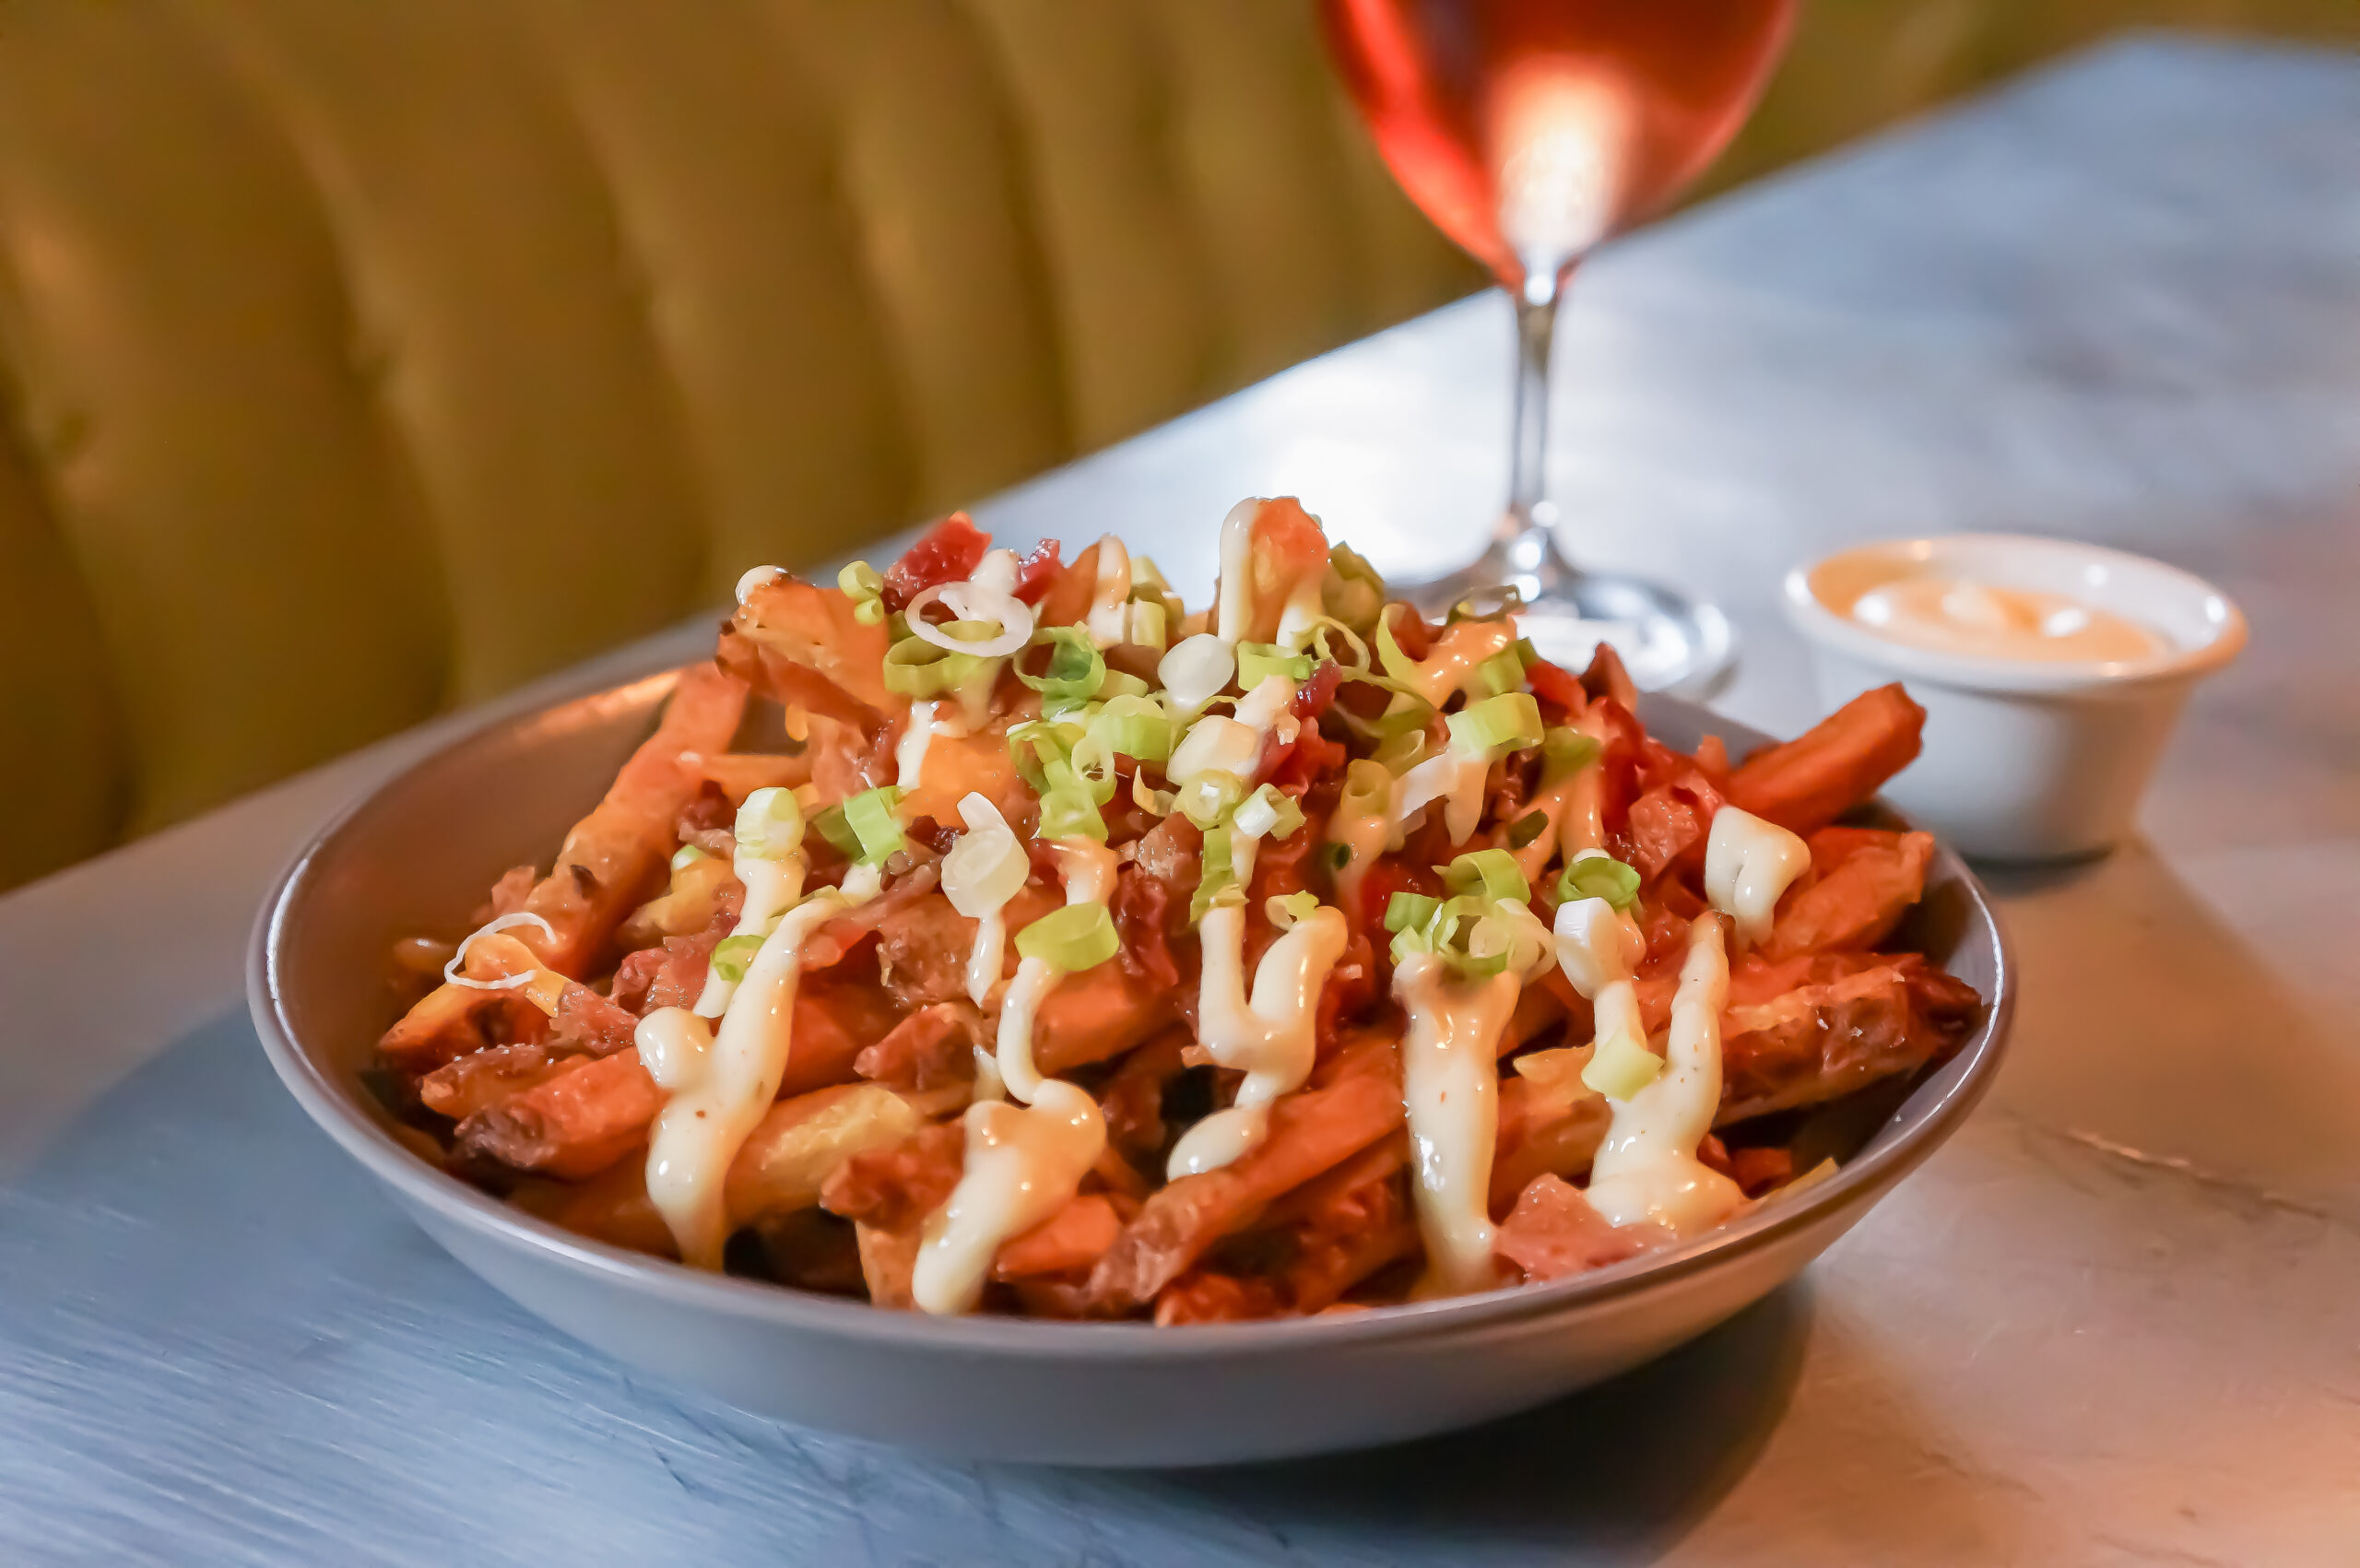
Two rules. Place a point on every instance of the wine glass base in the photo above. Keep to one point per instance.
(1668, 643)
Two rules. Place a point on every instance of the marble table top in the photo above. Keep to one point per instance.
(2113, 1322)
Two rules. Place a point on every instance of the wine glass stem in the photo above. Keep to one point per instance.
(1536, 326)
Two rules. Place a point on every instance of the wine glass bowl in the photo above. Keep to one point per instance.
(1529, 131)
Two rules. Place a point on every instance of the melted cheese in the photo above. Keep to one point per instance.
(1022, 1165)
(1109, 618)
(1270, 1039)
(1748, 865)
(1647, 1168)
(698, 1132)
(1088, 869)
(1450, 1088)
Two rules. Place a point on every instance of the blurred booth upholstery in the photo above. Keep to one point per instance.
(361, 358)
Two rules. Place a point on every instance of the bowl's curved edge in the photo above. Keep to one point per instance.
(339, 1113)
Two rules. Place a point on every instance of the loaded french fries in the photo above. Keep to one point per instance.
(995, 933)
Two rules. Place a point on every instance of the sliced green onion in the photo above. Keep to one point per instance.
(1398, 665)
(918, 669)
(1069, 812)
(1285, 911)
(874, 827)
(1146, 628)
(1153, 801)
(1525, 653)
(1257, 662)
(832, 826)
(1036, 743)
(732, 954)
(688, 854)
(1217, 887)
(1204, 798)
(1118, 684)
(1268, 812)
(1491, 872)
(1526, 828)
(861, 579)
(769, 826)
(1338, 854)
(1352, 591)
(1621, 1067)
(1598, 877)
(1398, 753)
(1409, 912)
(1500, 673)
(1498, 726)
(1320, 638)
(1565, 751)
(1074, 938)
(1132, 726)
(1076, 668)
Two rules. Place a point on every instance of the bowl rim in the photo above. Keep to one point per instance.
(1810, 616)
(418, 1184)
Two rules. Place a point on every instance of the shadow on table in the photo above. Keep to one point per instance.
(1626, 1467)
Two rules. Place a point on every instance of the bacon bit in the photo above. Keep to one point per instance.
(931, 1047)
(1390, 876)
(1311, 699)
(948, 553)
(1756, 1171)
(1295, 765)
(1133, 1098)
(591, 1023)
(1606, 678)
(709, 812)
(1416, 638)
(1037, 571)
(896, 1187)
(1352, 985)
(1554, 688)
(1142, 910)
(1553, 1232)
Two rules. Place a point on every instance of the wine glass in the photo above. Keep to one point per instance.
(1530, 130)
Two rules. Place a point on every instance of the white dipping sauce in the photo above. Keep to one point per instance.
(1954, 615)
(1088, 868)
(1272, 1039)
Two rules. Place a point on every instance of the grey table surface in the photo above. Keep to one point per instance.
(2117, 1320)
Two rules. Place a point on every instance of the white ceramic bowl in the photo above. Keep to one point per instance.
(427, 843)
(2024, 760)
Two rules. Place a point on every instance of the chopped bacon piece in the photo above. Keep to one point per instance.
(572, 1124)
(896, 1187)
(590, 1023)
(1606, 679)
(1556, 690)
(1037, 571)
(931, 1047)
(1553, 1232)
(948, 553)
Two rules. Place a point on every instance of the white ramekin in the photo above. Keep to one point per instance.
(2027, 760)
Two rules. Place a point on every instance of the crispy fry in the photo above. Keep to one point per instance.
(461, 1087)
(888, 1259)
(799, 1142)
(1542, 1133)
(1215, 1298)
(1829, 1038)
(1870, 878)
(931, 1047)
(574, 1123)
(1310, 1132)
(1808, 782)
(615, 857)
(611, 1207)
(740, 773)
(1095, 1015)
(896, 1187)
(801, 645)
(1066, 1241)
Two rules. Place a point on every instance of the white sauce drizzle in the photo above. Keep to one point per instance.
(1234, 611)
(1366, 834)
(1087, 868)
(1748, 865)
(1450, 1088)
(1454, 778)
(989, 837)
(703, 1122)
(757, 577)
(1451, 663)
(1022, 1165)
(909, 752)
(1647, 1168)
(1109, 617)
(772, 885)
(1271, 1039)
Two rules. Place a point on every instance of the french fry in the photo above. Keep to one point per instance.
(1310, 1132)
(1207, 1297)
(740, 773)
(615, 857)
(1873, 877)
(461, 1087)
(1542, 1133)
(1070, 1240)
(888, 1260)
(933, 1046)
(1097, 1015)
(574, 1123)
(798, 1143)
(896, 1187)
(1810, 781)
(802, 645)
(611, 1207)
